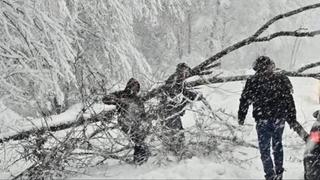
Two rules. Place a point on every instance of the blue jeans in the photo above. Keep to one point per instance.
(268, 131)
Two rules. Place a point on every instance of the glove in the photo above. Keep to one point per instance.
(296, 126)
(240, 122)
(306, 137)
(110, 100)
(241, 118)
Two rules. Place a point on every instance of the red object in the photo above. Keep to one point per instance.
(315, 137)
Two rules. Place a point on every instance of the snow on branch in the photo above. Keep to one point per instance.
(215, 79)
(107, 115)
(308, 66)
(207, 64)
(282, 16)
(287, 33)
(202, 67)
(255, 36)
(63, 124)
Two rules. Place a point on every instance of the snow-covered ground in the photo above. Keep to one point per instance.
(247, 163)
(226, 96)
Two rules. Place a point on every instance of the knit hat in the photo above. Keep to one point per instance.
(262, 63)
(182, 66)
(132, 83)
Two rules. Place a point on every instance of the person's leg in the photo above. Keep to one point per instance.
(141, 151)
(277, 146)
(264, 131)
(312, 167)
(137, 154)
(178, 142)
(175, 135)
(306, 168)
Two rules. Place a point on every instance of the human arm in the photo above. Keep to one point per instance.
(109, 99)
(291, 110)
(114, 99)
(292, 120)
(296, 126)
(245, 101)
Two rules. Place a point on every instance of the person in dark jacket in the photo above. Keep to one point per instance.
(132, 119)
(273, 105)
(176, 96)
(311, 159)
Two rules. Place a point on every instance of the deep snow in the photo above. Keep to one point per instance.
(226, 96)
(247, 164)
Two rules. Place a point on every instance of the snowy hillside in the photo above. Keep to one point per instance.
(248, 164)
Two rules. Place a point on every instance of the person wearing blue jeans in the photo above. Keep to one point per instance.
(270, 131)
(270, 94)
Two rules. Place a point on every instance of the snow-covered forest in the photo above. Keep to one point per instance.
(59, 59)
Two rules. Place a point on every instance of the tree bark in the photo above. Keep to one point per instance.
(103, 116)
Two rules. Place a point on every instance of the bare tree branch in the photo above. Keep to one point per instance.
(297, 74)
(204, 66)
(10, 5)
(103, 116)
(107, 115)
(282, 16)
(287, 33)
(262, 29)
(308, 66)
(214, 80)
(217, 80)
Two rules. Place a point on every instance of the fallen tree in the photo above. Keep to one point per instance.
(201, 69)
(208, 63)
(102, 116)
(107, 115)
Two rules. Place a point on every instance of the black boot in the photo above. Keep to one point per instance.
(270, 177)
(278, 177)
(141, 154)
(279, 174)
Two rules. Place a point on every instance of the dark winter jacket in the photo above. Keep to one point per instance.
(312, 153)
(176, 96)
(175, 85)
(173, 108)
(271, 96)
(132, 119)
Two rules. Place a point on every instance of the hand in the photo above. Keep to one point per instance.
(306, 137)
(240, 122)
(109, 99)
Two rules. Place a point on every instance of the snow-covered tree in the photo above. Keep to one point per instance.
(36, 54)
(52, 47)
